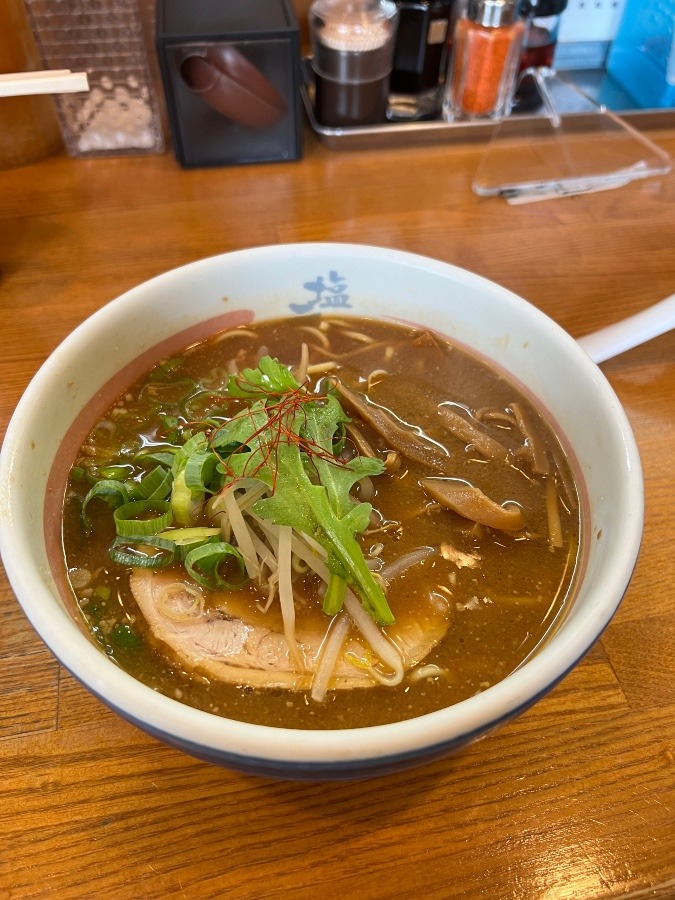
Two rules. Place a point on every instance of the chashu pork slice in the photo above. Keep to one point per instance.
(217, 640)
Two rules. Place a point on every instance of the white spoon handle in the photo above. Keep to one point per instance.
(643, 326)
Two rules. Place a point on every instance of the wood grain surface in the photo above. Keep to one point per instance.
(574, 800)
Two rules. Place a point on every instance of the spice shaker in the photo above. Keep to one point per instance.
(542, 23)
(420, 58)
(353, 48)
(485, 54)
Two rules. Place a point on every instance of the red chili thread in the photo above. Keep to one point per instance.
(279, 414)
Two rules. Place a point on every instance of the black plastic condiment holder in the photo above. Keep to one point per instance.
(231, 76)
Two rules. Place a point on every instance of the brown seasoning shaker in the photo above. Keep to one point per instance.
(486, 51)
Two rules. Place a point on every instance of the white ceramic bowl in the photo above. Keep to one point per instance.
(123, 339)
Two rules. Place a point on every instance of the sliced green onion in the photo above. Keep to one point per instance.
(187, 539)
(156, 485)
(165, 367)
(204, 565)
(121, 552)
(199, 470)
(198, 441)
(174, 391)
(171, 429)
(113, 492)
(116, 473)
(205, 402)
(181, 500)
(128, 524)
(182, 550)
(185, 535)
(158, 457)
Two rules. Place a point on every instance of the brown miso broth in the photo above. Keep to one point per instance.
(488, 595)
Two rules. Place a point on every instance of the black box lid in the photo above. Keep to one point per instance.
(223, 19)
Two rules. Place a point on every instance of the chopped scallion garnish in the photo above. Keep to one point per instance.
(142, 518)
(281, 436)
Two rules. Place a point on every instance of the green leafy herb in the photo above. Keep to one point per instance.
(281, 435)
(287, 442)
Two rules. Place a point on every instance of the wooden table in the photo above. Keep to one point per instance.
(574, 800)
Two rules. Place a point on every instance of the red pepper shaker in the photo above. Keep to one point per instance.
(485, 55)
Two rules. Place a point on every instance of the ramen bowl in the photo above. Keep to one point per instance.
(107, 352)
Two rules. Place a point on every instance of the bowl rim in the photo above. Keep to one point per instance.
(169, 719)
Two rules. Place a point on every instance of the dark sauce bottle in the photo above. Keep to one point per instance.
(420, 58)
(539, 45)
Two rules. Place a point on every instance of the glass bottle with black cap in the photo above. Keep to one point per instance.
(539, 45)
(420, 58)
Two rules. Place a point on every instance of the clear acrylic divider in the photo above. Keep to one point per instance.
(578, 146)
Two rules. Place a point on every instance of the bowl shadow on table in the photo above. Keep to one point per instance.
(200, 823)
(455, 801)
(494, 759)
(495, 776)
(79, 708)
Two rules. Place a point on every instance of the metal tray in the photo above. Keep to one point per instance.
(595, 83)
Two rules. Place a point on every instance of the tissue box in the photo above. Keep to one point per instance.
(642, 57)
(231, 75)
